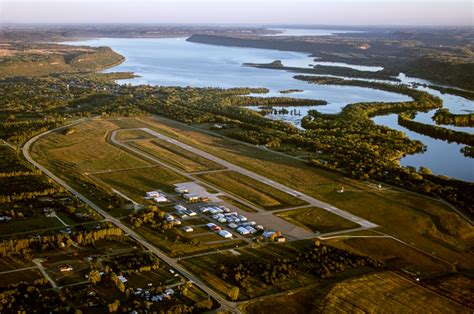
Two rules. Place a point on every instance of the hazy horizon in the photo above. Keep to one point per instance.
(242, 12)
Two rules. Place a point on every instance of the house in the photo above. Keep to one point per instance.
(243, 231)
(225, 234)
(181, 190)
(161, 199)
(65, 268)
(188, 229)
(191, 197)
(152, 194)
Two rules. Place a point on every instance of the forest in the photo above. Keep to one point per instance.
(443, 116)
(435, 131)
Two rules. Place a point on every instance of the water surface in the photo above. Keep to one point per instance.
(176, 62)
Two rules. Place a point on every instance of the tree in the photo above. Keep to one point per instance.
(113, 307)
(94, 276)
(233, 293)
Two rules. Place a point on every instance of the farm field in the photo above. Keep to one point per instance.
(316, 219)
(302, 300)
(387, 291)
(393, 254)
(253, 265)
(251, 190)
(380, 292)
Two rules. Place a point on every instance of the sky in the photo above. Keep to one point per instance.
(322, 12)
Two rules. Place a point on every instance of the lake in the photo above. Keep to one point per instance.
(177, 62)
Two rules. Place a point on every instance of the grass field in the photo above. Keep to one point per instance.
(393, 254)
(237, 204)
(386, 291)
(85, 150)
(431, 225)
(303, 300)
(175, 156)
(383, 292)
(28, 275)
(316, 219)
(206, 267)
(253, 191)
(30, 224)
(126, 135)
(166, 242)
(134, 183)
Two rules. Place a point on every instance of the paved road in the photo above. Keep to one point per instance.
(18, 269)
(45, 274)
(225, 305)
(312, 201)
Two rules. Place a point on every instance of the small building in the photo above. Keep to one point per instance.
(181, 190)
(280, 239)
(161, 199)
(176, 222)
(66, 231)
(188, 229)
(122, 279)
(191, 213)
(5, 218)
(192, 197)
(180, 208)
(169, 217)
(243, 231)
(268, 234)
(213, 227)
(152, 194)
(251, 230)
(225, 234)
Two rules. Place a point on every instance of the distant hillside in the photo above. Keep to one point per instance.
(453, 65)
(45, 59)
